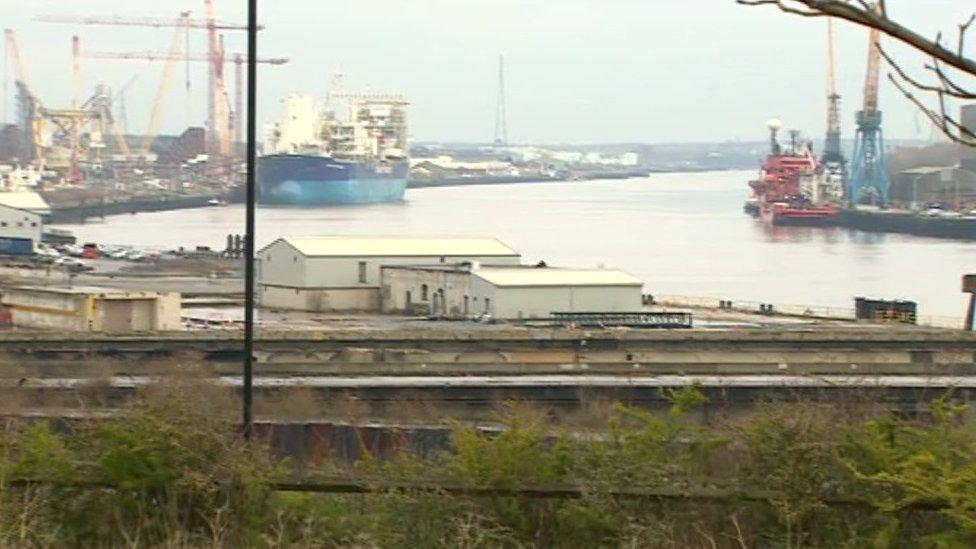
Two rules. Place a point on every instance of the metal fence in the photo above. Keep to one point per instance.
(640, 319)
(799, 311)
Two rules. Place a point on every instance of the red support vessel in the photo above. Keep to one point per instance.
(792, 188)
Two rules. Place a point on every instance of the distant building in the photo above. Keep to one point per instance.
(342, 273)
(967, 155)
(92, 309)
(570, 157)
(20, 225)
(26, 200)
(629, 159)
(953, 186)
(446, 166)
(506, 291)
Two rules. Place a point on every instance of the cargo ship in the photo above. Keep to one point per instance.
(315, 158)
(792, 187)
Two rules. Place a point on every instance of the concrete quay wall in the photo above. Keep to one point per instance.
(495, 352)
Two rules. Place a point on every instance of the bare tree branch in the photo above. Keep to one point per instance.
(867, 14)
(867, 17)
(941, 119)
(948, 86)
(962, 33)
(787, 9)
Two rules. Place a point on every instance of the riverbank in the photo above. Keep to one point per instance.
(74, 213)
(879, 221)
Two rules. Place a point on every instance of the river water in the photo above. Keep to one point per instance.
(681, 233)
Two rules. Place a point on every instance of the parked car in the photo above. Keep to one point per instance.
(135, 255)
(44, 254)
(72, 264)
(118, 254)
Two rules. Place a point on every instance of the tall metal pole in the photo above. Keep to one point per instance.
(6, 79)
(252, 73)
(186, 84)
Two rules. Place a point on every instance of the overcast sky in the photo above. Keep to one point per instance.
(577, 71)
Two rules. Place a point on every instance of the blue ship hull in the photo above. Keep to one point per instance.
(306, 180)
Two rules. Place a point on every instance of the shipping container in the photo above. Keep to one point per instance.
(16, 246)
(885, 310)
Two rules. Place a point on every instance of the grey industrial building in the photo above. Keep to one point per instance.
(506, 291)
(458, 277)
(342, 273)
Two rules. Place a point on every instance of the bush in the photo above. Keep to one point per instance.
(169, 470)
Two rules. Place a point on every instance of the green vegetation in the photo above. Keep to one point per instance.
(170, 472)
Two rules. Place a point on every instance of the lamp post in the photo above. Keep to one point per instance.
(247, 420)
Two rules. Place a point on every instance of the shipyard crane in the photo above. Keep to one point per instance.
(12, 46)
(216, 113)
(238, 59)
(869, 172)
(104, 101)
(832, 156)
(119, 97)
(46, 130)
(75, 138)
(155, 22)
(163, 89)
(27, 103)
(216, 88)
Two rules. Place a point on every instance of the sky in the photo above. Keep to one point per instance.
(576, 71)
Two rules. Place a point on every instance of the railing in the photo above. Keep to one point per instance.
(641, 319)
(799, 311)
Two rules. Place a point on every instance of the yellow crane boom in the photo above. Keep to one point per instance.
(161, 92)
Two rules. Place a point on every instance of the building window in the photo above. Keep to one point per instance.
(443, 259)
(20, 223)
(33, 224)
(362, 272)
(409, 298)
(465, 305)
(423, 293)
(294, 259)
(3, 223)
(487, 305)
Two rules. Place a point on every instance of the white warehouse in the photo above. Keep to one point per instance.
(342, 273)
(20, 224)
(507, 291)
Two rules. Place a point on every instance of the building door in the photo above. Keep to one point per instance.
(116, 315)
(143, 315)
(465, 305)
(408, 303)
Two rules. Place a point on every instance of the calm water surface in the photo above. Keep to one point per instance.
(680, 233)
